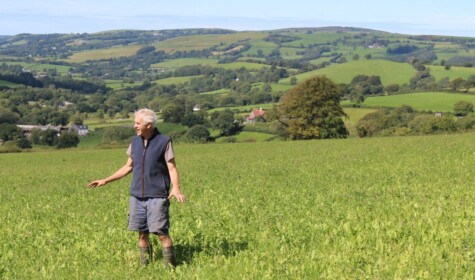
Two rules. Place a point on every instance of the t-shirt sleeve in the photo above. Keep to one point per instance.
(169, 153)
(129, 150)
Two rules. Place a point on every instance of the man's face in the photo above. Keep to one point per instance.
(141, 128)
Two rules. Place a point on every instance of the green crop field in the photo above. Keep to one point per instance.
(7, 84)
(389, 72)
(40, 67)
(200, 42)
(182, 62)
(175, 80)
(104, 53)
(376, 208)
(433, 101)
(440, 72)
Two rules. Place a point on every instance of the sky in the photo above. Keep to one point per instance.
(415, 17)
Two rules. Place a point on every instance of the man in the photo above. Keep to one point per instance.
(152, 163)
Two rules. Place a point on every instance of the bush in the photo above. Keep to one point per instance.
(231, 139)
(67, 140)
(23, 143)
(117, 134)
(197, 134)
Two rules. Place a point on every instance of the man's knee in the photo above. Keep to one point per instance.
(165, 239)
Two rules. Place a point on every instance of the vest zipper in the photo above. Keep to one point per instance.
(143, 170)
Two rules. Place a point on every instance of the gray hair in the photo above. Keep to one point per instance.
(148, 116)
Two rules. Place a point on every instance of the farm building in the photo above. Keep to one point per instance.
(80, 130)
(255, 113)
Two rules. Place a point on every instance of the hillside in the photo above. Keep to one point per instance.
(115, 72)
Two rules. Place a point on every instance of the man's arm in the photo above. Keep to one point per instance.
(173, 171)
(122, 172)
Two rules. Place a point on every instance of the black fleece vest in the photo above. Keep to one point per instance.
(150, 170)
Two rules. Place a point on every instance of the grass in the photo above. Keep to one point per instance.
(201, 42)
(389, 72)
(433, 101)
(7, 84)
(104, 53)
(175, 80)
(376, 208)
(249, 136)
(182, 62)
(454, 72)
(42, 67)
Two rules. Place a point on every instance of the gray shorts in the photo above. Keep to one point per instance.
(149, 215)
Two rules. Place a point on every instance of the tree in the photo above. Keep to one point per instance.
(9, 132)
(67, 140)
(197, 134)
(49, 137)
(293, 81)
(225, 122)
(457, 83)
(463, 108)
(23, 143)
(312, 110)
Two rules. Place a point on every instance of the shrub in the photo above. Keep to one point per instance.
(117, 134)
(67, 140)
(23, 143)
(197, 134)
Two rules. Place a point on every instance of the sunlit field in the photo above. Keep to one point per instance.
(375, 208)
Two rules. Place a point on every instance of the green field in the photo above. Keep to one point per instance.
(41, 67)
(104, 53)
(175, 80)
(182, 62)
(389, 72)
(433, 101)
(200, 42)
(7, 84)
(440, 72)
(375, 208)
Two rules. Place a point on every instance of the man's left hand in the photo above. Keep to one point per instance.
(178, 195)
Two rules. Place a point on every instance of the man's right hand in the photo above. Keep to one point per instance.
(97, 183)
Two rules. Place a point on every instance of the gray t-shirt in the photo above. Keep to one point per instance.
(169, 154)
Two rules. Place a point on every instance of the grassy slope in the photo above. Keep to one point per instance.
(439, 72)
(434, 101)
(104, 53)
(390, 72)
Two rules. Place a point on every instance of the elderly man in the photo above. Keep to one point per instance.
(152, 163)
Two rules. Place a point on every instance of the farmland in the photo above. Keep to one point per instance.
(372, 208)
(433, 101)
(390, 72)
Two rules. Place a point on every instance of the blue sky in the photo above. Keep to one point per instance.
(455, 17)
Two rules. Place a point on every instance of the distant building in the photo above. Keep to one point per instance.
(196, 108)
(28, 128)
(254, 114)
(80, 130)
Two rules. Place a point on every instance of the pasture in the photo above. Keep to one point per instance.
(454, 72)
(389, 72)
(377, 208)
(104, 53)
(429, 101)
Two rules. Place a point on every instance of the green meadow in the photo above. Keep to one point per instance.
(104, 53)
(200, 42)
(389, 72)
(374, 208)
(454, 72)
(41, 67)
(175, 80)
(7, 84)
(433, 101)
(182, 62)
